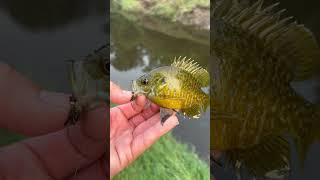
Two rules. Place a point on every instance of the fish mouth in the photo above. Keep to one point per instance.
(136, 90)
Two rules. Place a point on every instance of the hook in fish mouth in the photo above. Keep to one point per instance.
(133, 97)
(135, 90)
(135, 94)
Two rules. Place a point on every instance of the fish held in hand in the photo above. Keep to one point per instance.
(176, 88)
(88, 79)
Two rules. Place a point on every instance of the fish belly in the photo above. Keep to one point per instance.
(169, 103)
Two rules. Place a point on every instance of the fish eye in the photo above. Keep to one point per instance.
(145, 81)
(163, 80)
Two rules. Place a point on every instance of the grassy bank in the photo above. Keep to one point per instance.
(166, 159)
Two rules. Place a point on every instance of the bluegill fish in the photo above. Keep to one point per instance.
(176, 88)
(88, 78)
(256, 55)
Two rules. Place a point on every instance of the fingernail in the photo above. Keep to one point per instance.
(128, 93)
(54, 98)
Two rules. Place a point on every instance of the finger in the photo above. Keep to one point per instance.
(150, 111)
(153, 132)
(59, 154)
(97, 171)
(147, 124)
(119, 96)
(120, 152)
(133, 108)
(144, 115)
(27, 109)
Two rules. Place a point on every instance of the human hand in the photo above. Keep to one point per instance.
(53, 152)
(133, 128)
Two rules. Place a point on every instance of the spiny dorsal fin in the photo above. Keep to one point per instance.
(193, 68)
(288, 41)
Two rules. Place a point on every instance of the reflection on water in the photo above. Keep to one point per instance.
(264, 113)
(136, 50)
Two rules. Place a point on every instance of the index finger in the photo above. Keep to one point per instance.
(119, 96)
(134, 107)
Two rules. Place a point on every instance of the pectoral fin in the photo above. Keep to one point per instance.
(165, 114)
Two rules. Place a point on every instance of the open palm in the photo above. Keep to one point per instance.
(133, 128)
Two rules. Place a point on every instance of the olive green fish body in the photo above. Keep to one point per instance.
(257, 55)
(177, 90)
(176, 87)
(251, 119)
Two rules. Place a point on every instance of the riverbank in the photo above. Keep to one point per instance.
(187, 12)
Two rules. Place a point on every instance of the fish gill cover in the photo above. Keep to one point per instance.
(256, 54)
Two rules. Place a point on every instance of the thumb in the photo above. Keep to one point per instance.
(119, 96)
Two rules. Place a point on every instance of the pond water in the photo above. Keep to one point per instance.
(136, 50)
(37, 37)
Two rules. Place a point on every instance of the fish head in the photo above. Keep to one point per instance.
(142, 85)
(148, 83)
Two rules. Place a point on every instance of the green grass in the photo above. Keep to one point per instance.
(166, 159)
